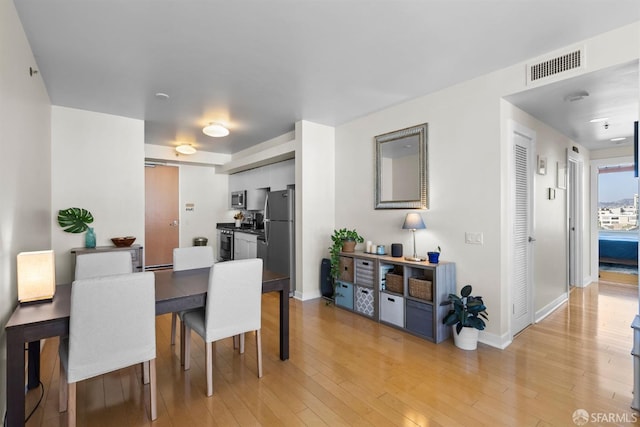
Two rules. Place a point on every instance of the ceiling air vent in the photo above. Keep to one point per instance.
(545, 68)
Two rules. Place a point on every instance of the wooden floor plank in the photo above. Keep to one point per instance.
(347, 370)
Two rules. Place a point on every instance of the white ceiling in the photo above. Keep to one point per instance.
(610, 94)
(259, 66)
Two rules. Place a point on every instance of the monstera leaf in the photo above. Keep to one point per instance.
(74, 219)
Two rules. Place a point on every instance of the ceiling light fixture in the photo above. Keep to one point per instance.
(599, 119)
(576, 96)
(185, 149)
(215, 130)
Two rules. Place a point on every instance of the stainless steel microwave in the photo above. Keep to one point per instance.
(238, 199)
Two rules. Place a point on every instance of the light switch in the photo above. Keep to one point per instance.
(473, 238)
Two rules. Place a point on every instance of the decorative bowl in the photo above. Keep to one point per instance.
(123, 242)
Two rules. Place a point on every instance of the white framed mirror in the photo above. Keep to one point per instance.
(401, 169)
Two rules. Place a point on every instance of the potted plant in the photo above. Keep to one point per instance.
(76, 220)
(434, 256)
(343, 241)
(465, 317)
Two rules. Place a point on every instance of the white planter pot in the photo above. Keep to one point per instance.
(467, 339)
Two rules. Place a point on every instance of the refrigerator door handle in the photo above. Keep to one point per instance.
(266, 219)
(267, 226)
(266, 205)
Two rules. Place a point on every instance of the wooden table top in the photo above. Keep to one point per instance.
(181, 290)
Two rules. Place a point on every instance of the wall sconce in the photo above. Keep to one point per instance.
(215, 130)
(36, 276)
(413, 222)
(185, 149)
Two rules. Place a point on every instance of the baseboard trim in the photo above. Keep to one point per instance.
(498, 341)
(551, 307)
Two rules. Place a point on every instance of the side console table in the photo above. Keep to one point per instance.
(137, 259)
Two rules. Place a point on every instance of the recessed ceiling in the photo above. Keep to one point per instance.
(612, 93)
(259, 66)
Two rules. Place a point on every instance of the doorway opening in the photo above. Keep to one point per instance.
(161, 215)
(618, 224)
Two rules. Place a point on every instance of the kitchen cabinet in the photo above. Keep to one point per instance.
(413, 305)
(245, 245)
(276, 176)
(281, 175)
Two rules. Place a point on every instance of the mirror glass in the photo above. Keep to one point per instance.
(401, 169)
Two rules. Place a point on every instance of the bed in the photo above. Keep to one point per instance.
(618, 247)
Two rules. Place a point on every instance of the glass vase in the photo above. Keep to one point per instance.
(90, 238)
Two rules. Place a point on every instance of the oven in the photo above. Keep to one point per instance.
(225, 244)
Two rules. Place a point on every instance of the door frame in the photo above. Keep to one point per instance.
(519, 129)
(575, 199)
(176, 222)
(595, 166)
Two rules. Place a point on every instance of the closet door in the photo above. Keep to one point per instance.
(522, 283)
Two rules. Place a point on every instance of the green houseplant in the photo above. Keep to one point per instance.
(76, 220)
(467, 314)
(338, 239)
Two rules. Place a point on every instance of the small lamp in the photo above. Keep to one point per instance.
(36, 276)
(413, 222)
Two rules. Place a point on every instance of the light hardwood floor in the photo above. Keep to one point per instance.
(347, 370)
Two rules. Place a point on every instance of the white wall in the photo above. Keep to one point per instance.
(25, 165)
(97, 164)
(315, 173)
(207, 190)
(464, 181)
(468, 175)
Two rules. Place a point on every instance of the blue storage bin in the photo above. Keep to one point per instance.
(419, 318)
(344, 294)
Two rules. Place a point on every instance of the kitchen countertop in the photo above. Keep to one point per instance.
(244, 229)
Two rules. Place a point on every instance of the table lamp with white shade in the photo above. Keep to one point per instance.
(413, 222)
(36, 276)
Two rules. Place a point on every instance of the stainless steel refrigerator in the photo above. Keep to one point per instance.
(279, 232)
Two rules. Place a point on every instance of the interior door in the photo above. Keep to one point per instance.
(161, 215)
(522, 287)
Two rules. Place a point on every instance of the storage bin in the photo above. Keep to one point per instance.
(392, 309)
(394, 283)
(420, 288)
(344, 295)
(364, 303)
(364, 272)
(419, 318)
(345, 269)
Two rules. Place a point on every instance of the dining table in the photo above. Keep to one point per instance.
(175, 291)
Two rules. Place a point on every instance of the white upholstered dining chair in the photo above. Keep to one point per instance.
(103, 264)
(111, 326)
(189, 258)
(233, 307)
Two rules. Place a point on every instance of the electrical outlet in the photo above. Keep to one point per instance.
(473, 238)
